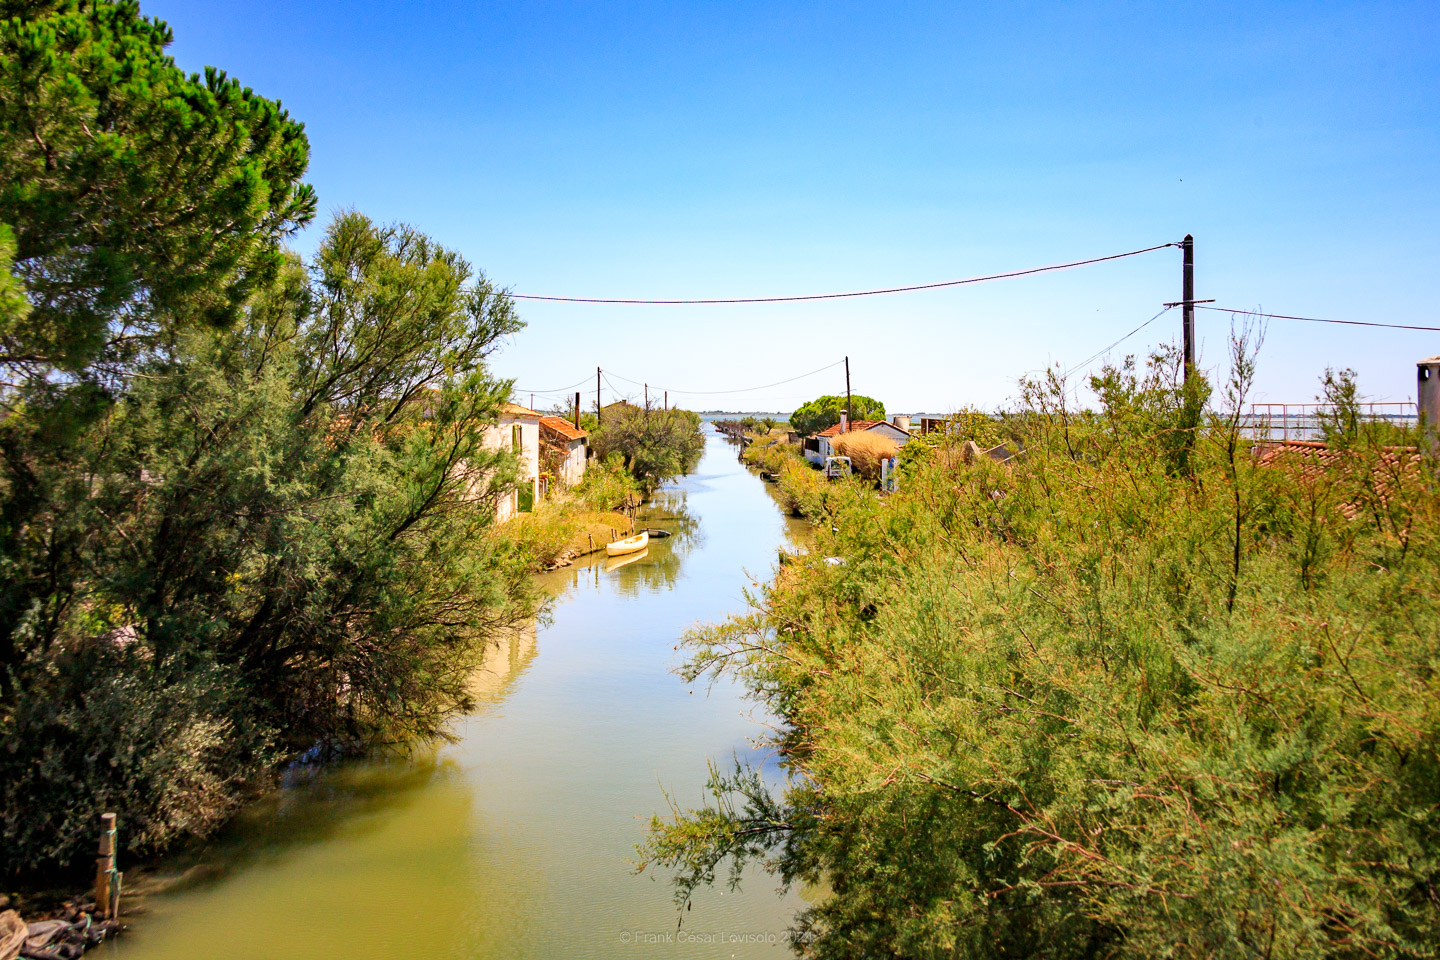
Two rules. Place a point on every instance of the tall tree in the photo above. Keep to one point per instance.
(824, 412)
(136, 193)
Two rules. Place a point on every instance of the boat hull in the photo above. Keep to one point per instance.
(629, 545)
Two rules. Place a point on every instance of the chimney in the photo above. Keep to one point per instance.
(901, 421)
(1427, 397)
(577, 409)
(844, 422)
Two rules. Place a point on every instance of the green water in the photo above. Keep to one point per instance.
(516, 840)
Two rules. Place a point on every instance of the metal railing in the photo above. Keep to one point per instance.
(1305, 421)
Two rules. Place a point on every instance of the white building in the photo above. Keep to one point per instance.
(518, 430)
(566, 447)
(822, 444)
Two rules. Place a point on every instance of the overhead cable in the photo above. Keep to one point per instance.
(854, 293)
(1101, 352)
(1348, 323)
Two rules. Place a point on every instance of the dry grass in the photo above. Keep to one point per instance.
(865, 451)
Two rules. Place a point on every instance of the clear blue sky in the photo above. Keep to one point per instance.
(737, 149)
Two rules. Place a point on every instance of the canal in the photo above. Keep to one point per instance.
(517, 840)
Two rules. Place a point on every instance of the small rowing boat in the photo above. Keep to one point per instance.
(629, 545)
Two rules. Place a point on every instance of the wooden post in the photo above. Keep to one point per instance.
(1187, 301)
(105, 865)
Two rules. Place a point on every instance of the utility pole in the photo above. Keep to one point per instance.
(1187, 302)
(667, 401)
(597, 394)
(647, 398)
(532, 401)
(849, 410)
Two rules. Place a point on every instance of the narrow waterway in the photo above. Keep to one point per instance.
(517, 840)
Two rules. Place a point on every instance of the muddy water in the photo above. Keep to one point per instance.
(517, 839)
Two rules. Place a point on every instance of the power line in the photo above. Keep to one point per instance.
(1348, 323)
(719, 393)
(615, 392)
(855, 293)
(1099, 353)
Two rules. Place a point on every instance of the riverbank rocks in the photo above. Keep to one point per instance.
(64, 937)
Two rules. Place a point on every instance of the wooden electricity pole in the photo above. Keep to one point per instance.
(647, 398)
(597, 393)
(1187, 302)
(849, 410)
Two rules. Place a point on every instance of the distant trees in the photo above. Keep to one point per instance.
(824, 412)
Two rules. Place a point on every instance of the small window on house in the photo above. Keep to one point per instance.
(515, 441)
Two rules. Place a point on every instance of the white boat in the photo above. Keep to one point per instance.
(633, 544)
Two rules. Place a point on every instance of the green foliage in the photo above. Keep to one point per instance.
(166, 743)
(14, 307)
(245, 508)
(772, 454)
(1136, 694)
(287, 522)
(134, 191)
(824, 412)
(656, 444)
(607, 485)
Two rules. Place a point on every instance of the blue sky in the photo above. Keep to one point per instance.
(737, 149)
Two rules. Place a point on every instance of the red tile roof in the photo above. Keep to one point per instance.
(856, 426)
(1312, 460)
(563, 427)
(516, 410)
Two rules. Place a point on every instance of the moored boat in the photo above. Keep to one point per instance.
(629, 545)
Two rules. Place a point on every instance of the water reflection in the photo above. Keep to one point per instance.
(515, 841)
(505, 660)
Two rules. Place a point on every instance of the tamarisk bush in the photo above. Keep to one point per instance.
(1146, 692)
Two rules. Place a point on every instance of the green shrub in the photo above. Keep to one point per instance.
(607, 485)
(167, 746)
(656, 444)
(771, 454)
(1139, 694)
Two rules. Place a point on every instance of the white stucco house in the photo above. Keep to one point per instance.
(821, 445)
(565, 447)
(518, 430)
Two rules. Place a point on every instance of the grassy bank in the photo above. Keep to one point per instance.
(579, 520)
